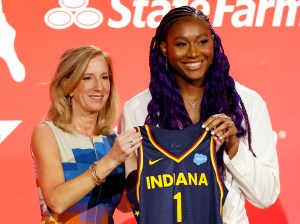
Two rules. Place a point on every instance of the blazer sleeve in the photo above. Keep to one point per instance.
(257, 177)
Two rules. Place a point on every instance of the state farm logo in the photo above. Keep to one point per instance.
(73, 12)
(242, 13)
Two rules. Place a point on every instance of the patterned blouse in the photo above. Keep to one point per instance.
(77, 153)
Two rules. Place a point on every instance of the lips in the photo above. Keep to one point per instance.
(193, 66)
(94, 97)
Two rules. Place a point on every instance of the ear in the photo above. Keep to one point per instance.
(163, 47)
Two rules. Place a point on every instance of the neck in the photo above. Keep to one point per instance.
(193, 104)
(192, 95)
(85, 126)
(190, 91)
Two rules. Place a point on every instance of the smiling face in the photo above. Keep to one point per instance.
(92, 92)
(189, 49)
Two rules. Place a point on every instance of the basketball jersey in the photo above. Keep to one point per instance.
(177, 178)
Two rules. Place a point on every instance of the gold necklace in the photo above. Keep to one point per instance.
(192, 104)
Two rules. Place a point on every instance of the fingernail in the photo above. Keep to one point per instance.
(221, 138)
(212, 132)
(207, 128)
(203, 126)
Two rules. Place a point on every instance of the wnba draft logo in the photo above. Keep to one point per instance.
(16, 68)
(73, 12)
(7, 48)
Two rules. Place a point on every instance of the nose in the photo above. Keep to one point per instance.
(193, 51)
(98, 84)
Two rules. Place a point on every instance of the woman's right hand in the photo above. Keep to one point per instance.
(224, 131)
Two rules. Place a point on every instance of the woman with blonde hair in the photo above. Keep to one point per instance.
(79, 160)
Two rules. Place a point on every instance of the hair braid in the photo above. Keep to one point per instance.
(166, 98)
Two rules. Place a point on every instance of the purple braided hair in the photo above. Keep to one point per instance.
(166, 107)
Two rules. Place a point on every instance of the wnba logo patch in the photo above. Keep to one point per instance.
(73, 12)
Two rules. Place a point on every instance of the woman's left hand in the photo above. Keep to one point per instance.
(223, 130)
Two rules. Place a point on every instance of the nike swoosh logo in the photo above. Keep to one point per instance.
(154, 161)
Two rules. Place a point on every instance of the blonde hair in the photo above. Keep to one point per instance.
(69, 72)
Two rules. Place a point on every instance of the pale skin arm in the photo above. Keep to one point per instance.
(130, 165)
(59, 194)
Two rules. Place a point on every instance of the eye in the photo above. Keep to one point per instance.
(87, 77)
(105, 77)
(202, 42)
(180, 44)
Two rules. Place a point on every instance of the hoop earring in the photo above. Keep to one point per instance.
(70, 100)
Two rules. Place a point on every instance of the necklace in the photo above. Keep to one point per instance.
(192, 104)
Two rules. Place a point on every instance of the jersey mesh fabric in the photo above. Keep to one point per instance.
(177, 178)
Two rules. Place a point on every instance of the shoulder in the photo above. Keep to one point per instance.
(42, 128)
(42, 136)
(250, 98)
(137, 105)
(44, 131)
(141, 99)
(135, 110)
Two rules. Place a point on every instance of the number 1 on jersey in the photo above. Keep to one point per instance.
(177, 197)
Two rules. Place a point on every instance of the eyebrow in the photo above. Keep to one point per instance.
(91, 73)
(199, 36)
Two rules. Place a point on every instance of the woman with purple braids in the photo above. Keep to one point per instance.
(191, 85)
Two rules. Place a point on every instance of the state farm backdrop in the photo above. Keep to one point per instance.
(261, 39)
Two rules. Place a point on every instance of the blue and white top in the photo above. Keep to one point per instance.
(77, 153)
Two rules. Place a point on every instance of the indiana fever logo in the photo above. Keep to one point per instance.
(147, 13)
